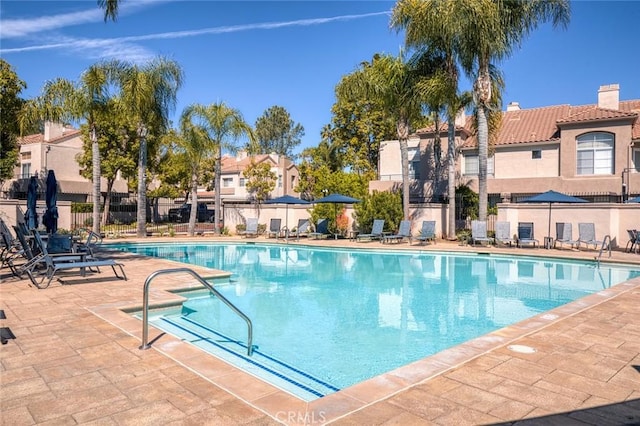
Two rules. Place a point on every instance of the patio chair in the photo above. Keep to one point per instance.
(587, 235)
(404, 233)
(503, 233)
(376, 231)
(479, 232)
(634, 241)
(301, 230)
(322, 229)
(45, 267)
(252, 228)
(564, 235)
(526, 235)
(428, 232)
(274, 228)
(11, 248)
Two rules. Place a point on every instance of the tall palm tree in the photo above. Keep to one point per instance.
(110, 8)
(149, 92)
(223, 126)
(393, 82)
(63, 100)
(493, 29)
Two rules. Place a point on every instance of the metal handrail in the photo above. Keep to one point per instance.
(145, 306)
(604, 241)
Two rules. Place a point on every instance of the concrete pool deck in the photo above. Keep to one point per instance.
(76, 360)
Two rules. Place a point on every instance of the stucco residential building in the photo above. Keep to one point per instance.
(55, 149)
(233, 181)
(587, 150)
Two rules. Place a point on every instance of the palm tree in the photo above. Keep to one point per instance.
(149, 93)
(63, 100)
(392, 82)
(223, 126)
(192, 141)
(110, 8)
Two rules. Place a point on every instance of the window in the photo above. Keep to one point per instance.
(279, 181)
(414, 169)
(227, 182)
(595, 154)
(25, 155)
(26, 170)
(471, 166)
(536, 154)
(636, 159)
(241, 183)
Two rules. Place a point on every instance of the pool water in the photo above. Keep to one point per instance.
(325, 319)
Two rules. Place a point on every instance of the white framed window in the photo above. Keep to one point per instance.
(594, 154)
(227, 182)
(25, 171)
(241, 183)
(414, 169)
(472, 166)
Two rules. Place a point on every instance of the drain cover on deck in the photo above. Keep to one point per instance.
(521, 349)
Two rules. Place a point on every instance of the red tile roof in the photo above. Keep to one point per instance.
(541, 124)
(39, 137)
(231, 164)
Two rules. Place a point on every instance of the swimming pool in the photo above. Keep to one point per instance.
(325, 319)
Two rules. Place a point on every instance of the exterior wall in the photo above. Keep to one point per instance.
(517, 162)
(12, 212)
(390, 167)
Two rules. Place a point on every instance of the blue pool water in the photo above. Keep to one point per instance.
(325, 319)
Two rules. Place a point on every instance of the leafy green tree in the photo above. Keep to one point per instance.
(380, 205)
(277, 133)
(261, 180)
(10, 106)
(223, 126)
(149, 93)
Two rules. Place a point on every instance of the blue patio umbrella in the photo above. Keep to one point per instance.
(336, 198)
(286, 200)
(31, 216)
(50, 217)
(553, 197)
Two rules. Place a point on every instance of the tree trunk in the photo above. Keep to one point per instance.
(402, 128)
(193, 215)
(482, 89)
(107, 203)
(95, 160)
(142, 183)
(218, 185)
(451, 170)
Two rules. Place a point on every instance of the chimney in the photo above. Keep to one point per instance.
(609, 96)
(513, 106)
(52, 130)
(461, 118)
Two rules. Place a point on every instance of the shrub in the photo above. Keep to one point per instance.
(380, 205)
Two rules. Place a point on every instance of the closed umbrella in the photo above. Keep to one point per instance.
(552, 197)
(31, 217)
(335, 199)
(286, 200)
(50, 218)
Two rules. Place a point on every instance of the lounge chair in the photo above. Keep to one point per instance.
(525, 234)
(634, 241)
(11, 248)
(503, 233)
(301, 230)
(322, 229)
(479, 232)
(252, 228)
(274, 228)
(564, 235)
(428, 232)
(376, 231)
(52, 265)
(404, 233)
(587, 235)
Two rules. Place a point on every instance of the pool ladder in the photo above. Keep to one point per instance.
(145, 305)
(606, 242)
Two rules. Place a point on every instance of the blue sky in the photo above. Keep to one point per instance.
(253, 55)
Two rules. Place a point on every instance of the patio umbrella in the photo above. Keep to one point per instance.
(335, 199)
(286, 200)
(31, 217)
(552, 197)
(50, 217)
